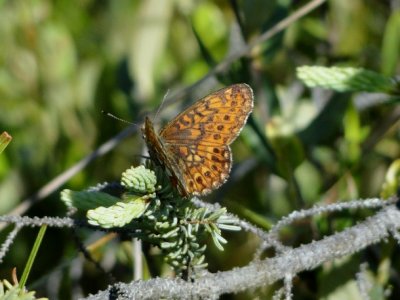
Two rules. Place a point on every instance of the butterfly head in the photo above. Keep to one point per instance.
(147, 129)
(151, 139)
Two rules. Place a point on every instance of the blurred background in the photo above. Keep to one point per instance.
(63, 62)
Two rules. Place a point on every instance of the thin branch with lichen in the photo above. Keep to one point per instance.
(285, 264)
(374, 229)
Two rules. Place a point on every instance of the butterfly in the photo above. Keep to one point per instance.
(194, 146)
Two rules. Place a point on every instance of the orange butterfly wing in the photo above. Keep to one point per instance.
(195, 144)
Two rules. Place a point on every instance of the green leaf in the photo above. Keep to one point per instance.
(229, 227)
(353, 134)
(5, 139)
(32, 256)
(212, 43)
(217, 239)
(117, 215)
(139, 179)
(391, 44)
(86, 200)
(343, 79)
(392, 180)
(144, 61)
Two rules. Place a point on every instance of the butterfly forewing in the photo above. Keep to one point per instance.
(197, 140)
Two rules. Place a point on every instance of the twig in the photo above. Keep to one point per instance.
(36, 221)
(5, 246)
(334, 207)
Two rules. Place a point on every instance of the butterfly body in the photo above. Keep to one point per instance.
(158, 152)
(194, 146)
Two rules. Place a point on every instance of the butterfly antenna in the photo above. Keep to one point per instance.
(116, 118)
(161, 105)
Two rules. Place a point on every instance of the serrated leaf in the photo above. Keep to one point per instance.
(117, 215)
(86, 200)
(139, 179)
(344, 79)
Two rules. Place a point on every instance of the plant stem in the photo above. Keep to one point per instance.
(32, 256)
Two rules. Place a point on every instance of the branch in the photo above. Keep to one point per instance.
(8, 242)
(262, 273)
(37, 222)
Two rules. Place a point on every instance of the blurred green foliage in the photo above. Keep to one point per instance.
(62, 62)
